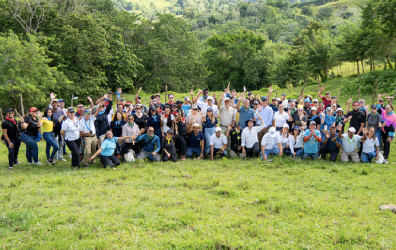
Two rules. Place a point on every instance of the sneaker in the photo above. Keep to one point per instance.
(38, 163)
(85, 166)
(385, 161)
(9, 168)
(17, 163)
(183, 158)
(30, 163)
(62, 159)
(50, 162)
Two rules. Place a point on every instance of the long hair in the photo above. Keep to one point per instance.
(115, 116)
(213, 118)
(169, 120)
(46, 113)
(150, 115)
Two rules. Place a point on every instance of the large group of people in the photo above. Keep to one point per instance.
(233, 125)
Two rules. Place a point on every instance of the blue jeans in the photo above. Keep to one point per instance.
(299, 152)
(50, 142)
(191, 151)
(267, 152)
(215, 150)
(208, 133)
(314, 156)
(368, 157)
(31, 147)
(378, 135)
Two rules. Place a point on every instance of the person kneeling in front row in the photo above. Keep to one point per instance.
(331, 145)
(168, 146)
(249, 143)
(196, 141)
(370, 145)
(149, 140)
(235, 134)
(349, 143)
(271, 144)
(312, 139)
(218, 144)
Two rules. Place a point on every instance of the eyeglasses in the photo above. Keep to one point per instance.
(171, 97)
(138, 108)
(300, 110)
(80, 107)
(131, 118)
(151, 131)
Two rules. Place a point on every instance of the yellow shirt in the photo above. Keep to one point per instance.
(48, 126)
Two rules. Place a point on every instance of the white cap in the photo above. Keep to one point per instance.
(352, 129)
(339, 109)
(196, 125)
(278, 99)
(315, 100)
(314, 108)
(226, 99)
(210, 98)
(272, 132)
(285, 125)
(218, 129)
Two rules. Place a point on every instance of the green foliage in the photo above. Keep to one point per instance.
(24, 70)
(325, 12)
(386, 82)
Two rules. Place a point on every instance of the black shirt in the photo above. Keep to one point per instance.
(357, 119)
(12, 130)
(170, 148)
(117, 129)
(55, 117)
(235, 140)
(141, 122)
(182, 129)
(297, 120)
(316, 119)
(102, 123)
(32, 129)
(307, 111)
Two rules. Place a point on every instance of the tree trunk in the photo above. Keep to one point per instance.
(362, 66)
(389, 62)
(371, 65)
(357, 66)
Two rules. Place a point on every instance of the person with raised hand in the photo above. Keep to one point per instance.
(88, 131)
(388, 127)
(327, 98)
(208, 103)
(209, 123)
(11, 138)
(71, 132)
(227, 115)
(30, 132)
(106, 150)
(331, 144)
(101, 116)
(47, 130)
(149, 142)
(57, 119)
(357, 120)
(245, 112)
(375, 120)
(370, 145)
(349, 143)
(312, 139)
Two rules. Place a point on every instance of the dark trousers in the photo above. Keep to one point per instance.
(135, 148)
(173, 157)
(253, 151)
(181, 145)
(13, 152)
(108, 160)
(74, 147)
(384, 137)
(333, 153)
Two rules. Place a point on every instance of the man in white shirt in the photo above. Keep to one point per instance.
(249, 140)
(218, 144)
(349, 143)
(271, 144)
(88, 132)
(208, 103)
(227, 115)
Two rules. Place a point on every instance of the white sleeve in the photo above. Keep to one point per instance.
(291, 144)
(243, 139)
(65, 125)
(376, 143)
(278, 139)
(263, 141)
(225, 140)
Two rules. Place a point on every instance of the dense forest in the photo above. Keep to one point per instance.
(85, 47)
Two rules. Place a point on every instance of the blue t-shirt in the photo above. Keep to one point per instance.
(108, 146)
(194, 140)
(244, 115)
(331, 144)
(311, 146)
(208, 123)
(329, 121)
(186, 108)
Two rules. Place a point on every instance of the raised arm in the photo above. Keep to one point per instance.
(195, 99)
(349, 105)
(320, 92)
(269, 93)
(238, 106)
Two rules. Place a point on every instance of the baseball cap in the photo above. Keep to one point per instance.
(307, 100)
(179, 102)
(283, 94)
(381, 100)
(256, 103)
(296, 128)
(61, 100)
(9, 109)
(169, 131)
(55, 100)
(210, 98)
(327, 93)
(361, 100)
(250, 93)
(87, 111)
(167, 106)
(328, 109)
(139, 97)
(314, 108)
(157, 95)
(71, 110)
(374, 106)
(209, 109)
(196, 125)
(315, 100)
(333, 97)
(122, 98)
(194, 106)
(218, 129)
(237, 124)
(226, 99)
(312, 122)
(278, 99)
(272, 132)
(32, 109)
(285, 125)
(264, 98)
(352, 129)
(157, 105)
(339, 109)
(94, 108)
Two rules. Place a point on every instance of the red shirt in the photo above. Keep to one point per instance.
(325, 101)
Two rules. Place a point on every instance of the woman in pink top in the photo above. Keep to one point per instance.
(388, 128)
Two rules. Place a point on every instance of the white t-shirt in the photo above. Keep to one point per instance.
(280, 118)
(86, 126)
(72, 129)
(110, 116)
(370, 145)
(285, 103)
(270, 142)
(164, 127)
(204, 106)
(349, 144)
(218, 142)
(284, 140)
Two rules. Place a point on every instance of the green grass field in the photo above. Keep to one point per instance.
(199, 204)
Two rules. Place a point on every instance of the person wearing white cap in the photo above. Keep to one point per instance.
(284, 135)
(227, 115)
(312, 139)
(349, 143)
(284, 101)
(196, 141)
(218, 144)
(249, 141)
(339, 118)
(271, 144)
(208, 103)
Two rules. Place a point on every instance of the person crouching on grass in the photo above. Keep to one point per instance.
(107, 148)
(196, 141)
(312, 139)
(149, 141)
(218, 144)
(271, 144)
(370, 145)
(168, 146)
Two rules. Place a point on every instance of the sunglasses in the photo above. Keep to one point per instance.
(151, 131)
(171, 97)
(300, 110)
(130, 118)
(138, 108)
(87, 113)
(80, 107)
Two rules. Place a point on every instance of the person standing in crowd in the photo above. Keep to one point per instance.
(380, 101)
(245, 112)
(307, 107)
(271, 144)
(218, 144)
(71, 132)
(139, 117)
(101, 117)
(171, 101)
(249, 143)
(235, 135)
(357, 120)
(88, 131)
(292, 110)
(331, 145)
(194, 116)
(388, 128)
(131, 129)
(204, 106)
(149, 141)
(167, 122)
(299, 119)
(375, 120)
(280, 118)
(370, 145)
(349, 143)
(209, 123)
(116, 128)
(327, 98)
(204, 97)
(47, 129)
(284, 137)
(312, 139)
(295, 142)
(30, 133)
(154, 120)
(182, 136)
(267, 115)
(169, 147)
(57, 118)
(120, 109)
(314, 117)
(340, 118)
(284, 101)
(138, 100)
(196, 141)
(187, 105)
(80, 111)
(11, 138)
(362, 107)
(106, 150)
(227, 115)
